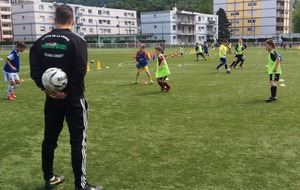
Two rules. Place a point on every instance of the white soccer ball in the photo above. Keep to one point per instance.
(54, 79)
(228, 70)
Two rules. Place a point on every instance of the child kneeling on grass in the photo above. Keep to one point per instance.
(162, 70)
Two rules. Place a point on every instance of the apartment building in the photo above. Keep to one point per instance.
(176, 26)
(5, 21)
(33, 19)
(257, 18)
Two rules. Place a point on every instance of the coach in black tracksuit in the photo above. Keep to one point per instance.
(63, 49)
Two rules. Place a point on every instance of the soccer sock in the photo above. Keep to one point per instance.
(9, 90)
(273, 91)
(237, 62)
(232, 63)
(204, 57)
(167, 85)
(220, 65)
(226, 67)
(137, 76)
(242, 63)
(161, 84)
(149, 76)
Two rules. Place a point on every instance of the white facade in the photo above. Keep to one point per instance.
(176, 26)
(33, 19)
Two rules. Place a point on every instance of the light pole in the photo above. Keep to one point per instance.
(117, 17)
(129, 30)
(31, 31)
(97, 31)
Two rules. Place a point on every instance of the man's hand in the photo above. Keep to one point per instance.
(55, 95)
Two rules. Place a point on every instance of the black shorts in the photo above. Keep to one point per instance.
(199, 53)
(240, 57)
(274, 77)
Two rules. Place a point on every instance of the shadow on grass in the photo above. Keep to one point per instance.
(40, 188)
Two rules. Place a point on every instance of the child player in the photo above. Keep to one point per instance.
(205, 49)
(181, 49)
(239, 57)
(142, 60)
(274, 68)
(199, 51)
(162, 70)
(11, 70)
(222, 55)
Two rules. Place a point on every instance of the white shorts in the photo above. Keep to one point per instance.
(11, 77)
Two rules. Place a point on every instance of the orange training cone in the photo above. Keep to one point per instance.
(98, 65)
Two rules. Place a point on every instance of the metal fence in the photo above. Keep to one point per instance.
(148, 45)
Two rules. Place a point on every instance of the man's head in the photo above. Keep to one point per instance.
(64, 15)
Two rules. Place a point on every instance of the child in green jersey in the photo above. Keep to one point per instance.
(274, 68)
(162, 70)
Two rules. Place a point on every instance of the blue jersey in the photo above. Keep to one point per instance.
(142, 59)
(14, 59)
(205, 48)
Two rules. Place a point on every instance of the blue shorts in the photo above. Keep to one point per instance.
(223, 60)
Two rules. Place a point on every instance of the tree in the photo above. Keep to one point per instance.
(224, 24)
(296, 21)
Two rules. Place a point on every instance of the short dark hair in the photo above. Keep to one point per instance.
(64, 14)
(21, 45)
(158, 48)
(142, 46)
(270, 42)
(225, 41)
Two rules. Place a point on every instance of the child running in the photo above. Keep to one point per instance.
(142, 60)
(162, 70)
(222, 54)
(199, 51)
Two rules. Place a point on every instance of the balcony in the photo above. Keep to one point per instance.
(179, 33)
(79, 23)
(211, 23)
(185, 22)
(5, 12)
(6, 20)
(79, 14)
(279, 15)
(7, 36)
(4, 28)
(280, 7)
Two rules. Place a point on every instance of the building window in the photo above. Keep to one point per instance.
(235, 13)
(82, 10)
(252, 4)
(250, 29)
(22, 6)
(23, 27)
(50, 18)
(43, 28)
(107, 12)
(100, 21)
(82, 19)
(51, 28)
(108, 22)
(174, 27)
(174, 37)
(99, 12)
(91, 21)
(154, 15)
(91, 30)
(83, 29)
(154, 26)
(41, 7)
(132, 14)
(90, 11)
(50, 7)
(251, 21)
(42, 18)
(109, 30)
(125, 14)
(23, 17)
(155, 37)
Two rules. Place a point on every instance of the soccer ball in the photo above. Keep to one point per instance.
(228, 70)
(54, 79)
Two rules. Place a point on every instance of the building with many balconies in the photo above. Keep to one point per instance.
(31, 20)
(176, 26)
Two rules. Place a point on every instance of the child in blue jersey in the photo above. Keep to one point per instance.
(142, 58)
(205, 49)
(11, 70)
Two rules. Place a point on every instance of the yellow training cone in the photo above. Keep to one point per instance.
(88, 67)
(98, 65)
